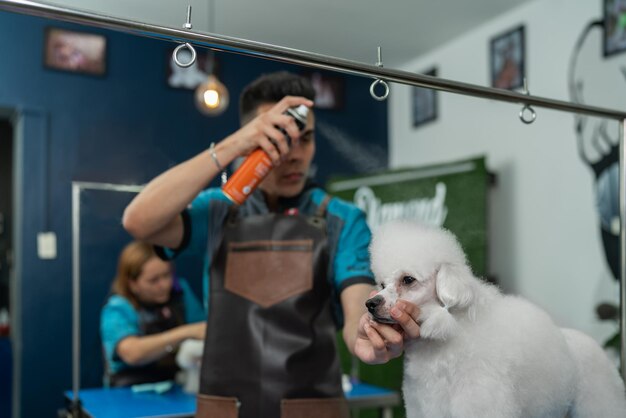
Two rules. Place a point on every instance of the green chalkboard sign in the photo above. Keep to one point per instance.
(452, 195)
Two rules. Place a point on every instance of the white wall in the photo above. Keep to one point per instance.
(544, 238)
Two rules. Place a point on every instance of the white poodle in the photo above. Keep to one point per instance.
(481, 353)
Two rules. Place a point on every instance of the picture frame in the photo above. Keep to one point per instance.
(507, 59)
(424, 104)
(614, 33)
(329, 90)
(75, 52)
(190, 77)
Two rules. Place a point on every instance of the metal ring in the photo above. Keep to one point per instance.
(178, 49)
(533, 115)
(384, 83)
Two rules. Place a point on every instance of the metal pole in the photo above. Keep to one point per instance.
(622, 211)
(294, 56)
(77, 188)
(75, 299)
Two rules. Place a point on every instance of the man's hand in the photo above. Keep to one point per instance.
(263, 131)
(378, 343)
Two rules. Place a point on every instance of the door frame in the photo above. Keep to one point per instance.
(13, 116)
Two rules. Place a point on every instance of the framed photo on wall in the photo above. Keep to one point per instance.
(76, 52)
(424, 102)
(614, 37)
(329, 90)
(507, 61)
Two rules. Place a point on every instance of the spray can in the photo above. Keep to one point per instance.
(258, 164)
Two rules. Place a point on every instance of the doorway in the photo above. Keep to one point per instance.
(6, 258)
(6, 206)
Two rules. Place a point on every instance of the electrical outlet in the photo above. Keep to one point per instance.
(47, 245)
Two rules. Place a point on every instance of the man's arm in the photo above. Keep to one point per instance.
(153, 215)
(353, 302)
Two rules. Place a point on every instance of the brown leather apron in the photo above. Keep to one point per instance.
(270, 346)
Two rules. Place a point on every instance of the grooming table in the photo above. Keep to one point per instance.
(123, 402)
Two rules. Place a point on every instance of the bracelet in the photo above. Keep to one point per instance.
(217, 163)
(214, 156)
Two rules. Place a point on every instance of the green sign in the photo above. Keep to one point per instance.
(452, 195)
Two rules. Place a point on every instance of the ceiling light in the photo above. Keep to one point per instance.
(212, 96)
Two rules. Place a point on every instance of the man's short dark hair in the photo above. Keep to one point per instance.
(271, 88)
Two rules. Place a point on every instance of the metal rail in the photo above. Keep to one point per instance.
(622, 240)
(294, 56)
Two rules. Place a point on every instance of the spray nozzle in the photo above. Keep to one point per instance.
(299, 113)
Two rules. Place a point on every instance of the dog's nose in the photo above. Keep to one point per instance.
(372, 304)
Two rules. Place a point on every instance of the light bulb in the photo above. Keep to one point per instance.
(212, 97)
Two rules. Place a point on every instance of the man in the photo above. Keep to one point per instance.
(283, 269)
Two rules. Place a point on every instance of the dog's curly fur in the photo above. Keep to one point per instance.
(481, 353)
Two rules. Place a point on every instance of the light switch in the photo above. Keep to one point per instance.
(47, 245)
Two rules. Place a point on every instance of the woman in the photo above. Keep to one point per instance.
(145, 319)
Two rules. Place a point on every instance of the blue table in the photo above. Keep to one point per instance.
(364, 395)
(123, 402)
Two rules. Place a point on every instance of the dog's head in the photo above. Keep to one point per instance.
(425, 266)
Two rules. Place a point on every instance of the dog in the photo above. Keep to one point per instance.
(481, 353)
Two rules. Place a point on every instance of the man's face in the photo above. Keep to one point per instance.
(288, 179)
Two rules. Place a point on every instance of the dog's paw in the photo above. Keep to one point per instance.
(438, 324)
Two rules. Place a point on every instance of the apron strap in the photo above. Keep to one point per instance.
(231, 217)
(321, 209)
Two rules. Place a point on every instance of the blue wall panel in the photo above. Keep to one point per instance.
(125, 127)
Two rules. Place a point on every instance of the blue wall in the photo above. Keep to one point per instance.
(126, 127)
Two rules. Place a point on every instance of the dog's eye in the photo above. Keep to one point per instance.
(408, 280)
(382, 285)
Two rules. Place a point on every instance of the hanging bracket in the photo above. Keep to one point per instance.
(522, 113)
(186, 45)
(379, 63)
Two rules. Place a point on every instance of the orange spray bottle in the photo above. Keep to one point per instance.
(258, 164)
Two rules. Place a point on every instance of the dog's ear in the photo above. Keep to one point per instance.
(453, 286)
(453, 289)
